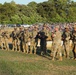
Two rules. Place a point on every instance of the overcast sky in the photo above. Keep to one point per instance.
(23, 1)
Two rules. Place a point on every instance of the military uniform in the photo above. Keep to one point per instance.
(24, 37)
(33, 41)
(18, 41)
(25, 42)
(45, 30)
(5, 37)
(1, 44)
(74, 42)
(56, 45)
(14, 39)
(66, 41)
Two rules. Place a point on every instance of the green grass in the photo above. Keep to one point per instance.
(18, 63)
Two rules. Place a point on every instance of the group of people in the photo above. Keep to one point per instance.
(63, 39)
(27, 39)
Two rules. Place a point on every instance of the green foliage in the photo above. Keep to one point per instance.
(49, 11)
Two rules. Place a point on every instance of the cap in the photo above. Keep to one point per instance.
(66, 27)
(25, 29)
(57, 27)
(44, 25)
(15, 28)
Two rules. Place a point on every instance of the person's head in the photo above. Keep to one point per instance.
(56, 28)
(35, 28)
(66, 28)
(44, 28)
(42, 33)
(15, 28)
(44, 25)
(20, 28)
(25, 29)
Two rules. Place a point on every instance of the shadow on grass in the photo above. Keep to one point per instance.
(10, 46)
(47, 55)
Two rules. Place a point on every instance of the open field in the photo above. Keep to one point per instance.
(18, 63)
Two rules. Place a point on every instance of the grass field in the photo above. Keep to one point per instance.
(18, 63)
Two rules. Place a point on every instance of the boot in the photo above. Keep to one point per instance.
(34, 52)
(31, 52)
(53, 58)
(74, 58)
(60, 59)
(42, 53)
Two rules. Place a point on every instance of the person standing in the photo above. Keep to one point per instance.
(5, 38)
(33, 40)
(1, 44)
(66, 36)
(74, 41)
(25, 41)
(43, 42)
(56, 36)
(14, 39)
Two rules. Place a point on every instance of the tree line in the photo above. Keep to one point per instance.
(49, 11)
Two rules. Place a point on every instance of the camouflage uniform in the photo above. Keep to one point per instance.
(18, 42)
(5, 37)
(45, 30)
(74, 42)
(33, 41)
(25, 42)
(1, 44)
(57, 44)
(23, 37)
(66, 41)
(14, 39)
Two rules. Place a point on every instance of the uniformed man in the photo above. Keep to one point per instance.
(33, 40)
(1, 44)
(21, 38)
(5, 38)
(14, 39)
(66, 41)
(56, 36)
(25, 40)
(44, 29)
(18, 40)
(74, 41)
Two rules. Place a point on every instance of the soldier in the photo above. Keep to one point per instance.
(14, 39)
(66, 41)
(45, 30)
(1, 44)
(74, 41)
(56, 36)
(18, 41)
(21, 38)
(25, 41)
(5, 37)
(33, 40)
